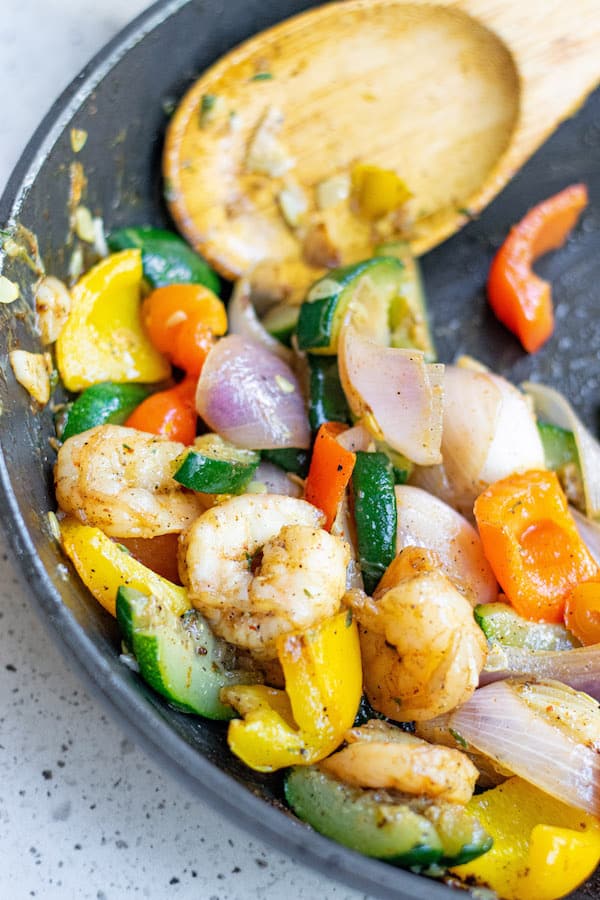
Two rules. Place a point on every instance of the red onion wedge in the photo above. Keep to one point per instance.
(251, 397)
(578, 668)
(551, 406)
(243, 320)
(400, 395)
(425, 521)
(543, 731)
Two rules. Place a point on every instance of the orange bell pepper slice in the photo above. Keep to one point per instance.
(582, 611)
(520, 298)
(330, 470)
(531, 541)
(182, 321)
(171, 413)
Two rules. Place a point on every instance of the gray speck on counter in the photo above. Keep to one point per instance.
(62, 812)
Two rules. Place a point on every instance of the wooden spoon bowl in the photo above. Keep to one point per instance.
(453, 97)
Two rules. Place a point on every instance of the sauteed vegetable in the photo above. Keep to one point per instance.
(383, 570)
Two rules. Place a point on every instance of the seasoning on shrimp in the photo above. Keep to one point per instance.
(260, 565)
(121, 480)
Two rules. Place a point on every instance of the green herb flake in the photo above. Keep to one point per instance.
(349, 618)
(308, 594)
(207, 108)
(262, 76)
(458, 738)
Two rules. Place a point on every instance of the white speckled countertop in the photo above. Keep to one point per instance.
(83, 812)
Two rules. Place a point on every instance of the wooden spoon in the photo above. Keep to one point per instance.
(453, 97)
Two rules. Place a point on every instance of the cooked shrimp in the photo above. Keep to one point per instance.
(258, 566)
(381, 756)
(121, 480)
(422, 649)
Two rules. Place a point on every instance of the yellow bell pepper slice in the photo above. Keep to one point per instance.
(377, 191)
(543, 849)
(104, 566)
(307, 721)
(104, 338)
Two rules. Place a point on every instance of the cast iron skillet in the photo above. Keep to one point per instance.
(117, 100)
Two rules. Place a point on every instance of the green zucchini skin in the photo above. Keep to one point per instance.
(327, 401)
(409, 318)
(200, 471)
(503, 625)
(166, 258)
(101, 404)
(297, 462)
(408, 832)
(375, 515)
(179, 658)
(281, 321)
(324, 310)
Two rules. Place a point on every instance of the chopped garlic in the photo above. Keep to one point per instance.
(293, 203)
(9, 290)
(32, 370)
(76, 263)
(285, 386)
(333, 190)
(11, 248)
(100, 245)
(84, 225)
(78, 139)
(53, 525)
(52, 305)
(266, 154)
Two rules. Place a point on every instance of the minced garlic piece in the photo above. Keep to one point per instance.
(293, 204)
(266, 154)
(32, 370)
(52, 305)
(285, 386)
(78, 139)
(84, 225)
(9, 290)
(333, 190)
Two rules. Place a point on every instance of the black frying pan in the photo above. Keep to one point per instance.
(117, 100)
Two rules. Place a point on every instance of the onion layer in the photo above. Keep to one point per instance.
(425, 521)
(489, 432)
(552, 407)
(275, 480)
(251, 397)
(243, 320)
(400, 395)
(544, 732)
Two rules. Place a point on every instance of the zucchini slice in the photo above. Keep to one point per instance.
(502, 624)
(215, 466)
(327, 401)
(289, 459)
(166, 258)
(375, 515)
(281, 320)
(179, 657)
(363, 291)
(107, 402)
(402, 830)
(409, 321)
